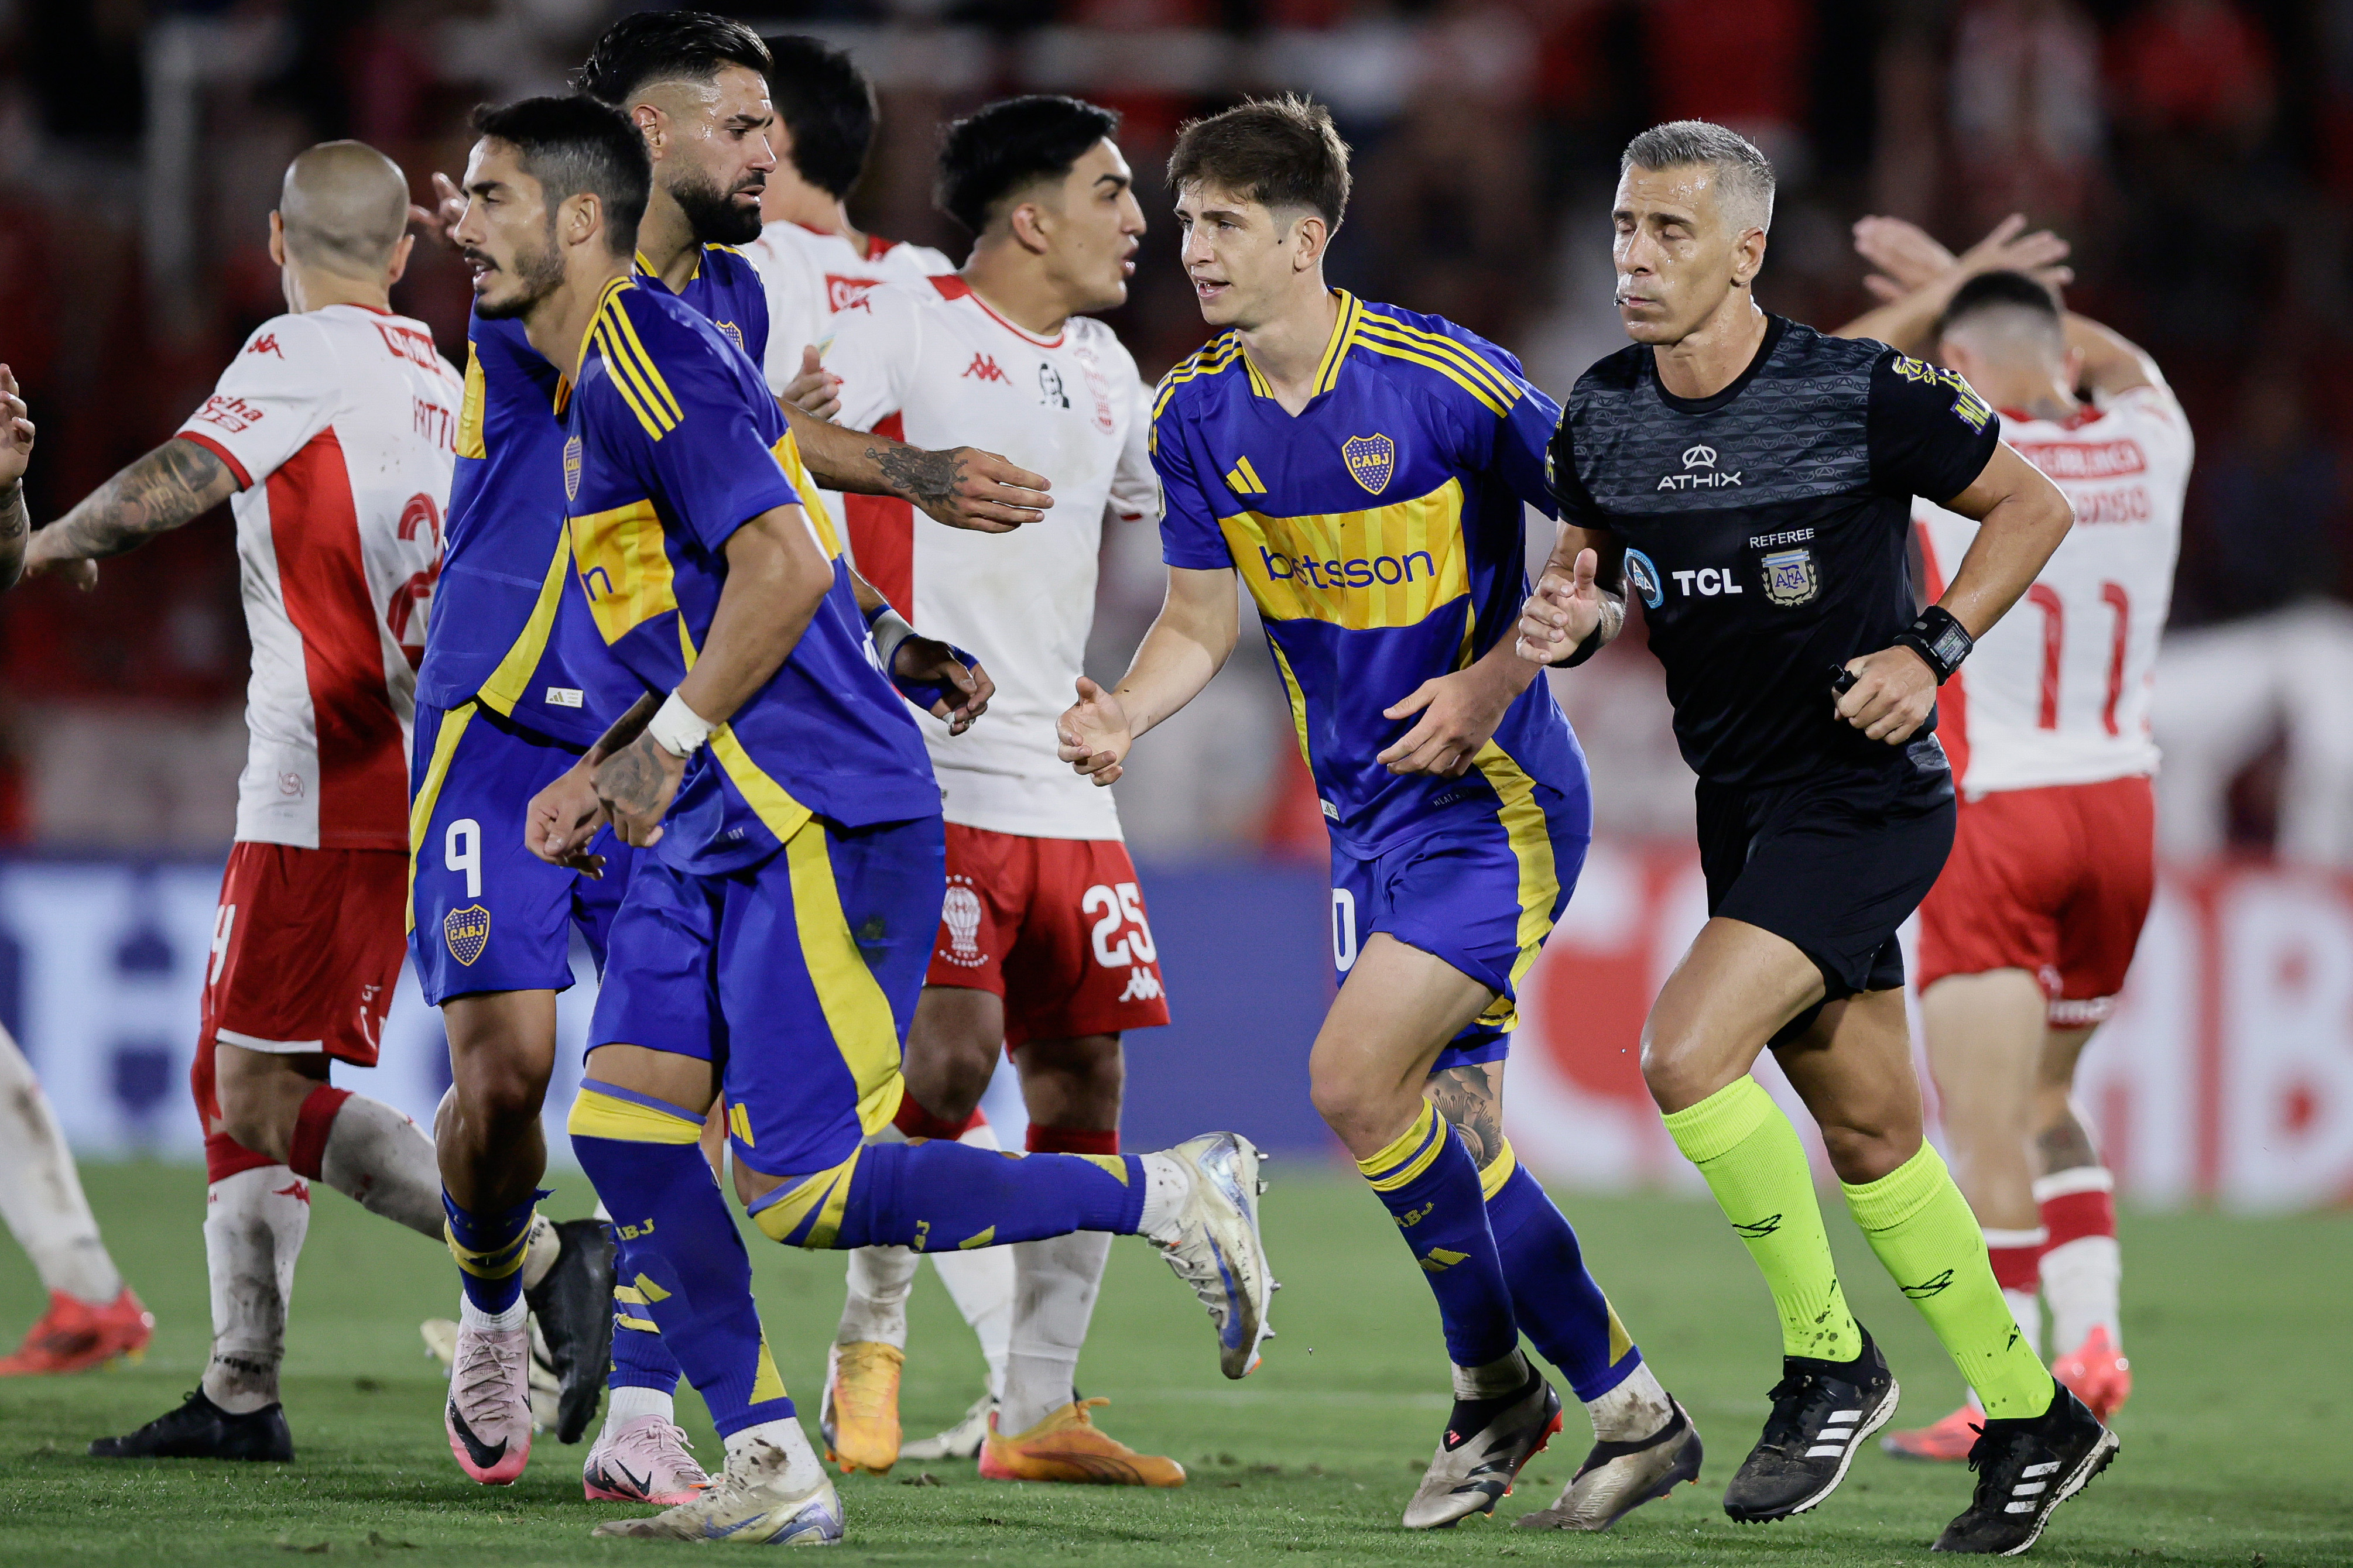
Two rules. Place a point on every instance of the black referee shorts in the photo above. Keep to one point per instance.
(1833, 862)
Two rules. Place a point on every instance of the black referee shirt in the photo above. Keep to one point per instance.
(1766, 528)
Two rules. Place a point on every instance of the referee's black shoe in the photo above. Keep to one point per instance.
(574, 1304)
(2027, 1467)
(1822, 1411)
(200, 1429)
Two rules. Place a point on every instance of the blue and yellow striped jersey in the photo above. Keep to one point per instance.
(1380, 533)
(504, 626)
(672, 444)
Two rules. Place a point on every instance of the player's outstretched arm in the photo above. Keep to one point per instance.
(1580, 603)
(1917, 276)
(169, 487)
(964, 488)
(1188, 643)
(16, 457)
(2021, 517)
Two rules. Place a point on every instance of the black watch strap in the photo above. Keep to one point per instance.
(1940, 640)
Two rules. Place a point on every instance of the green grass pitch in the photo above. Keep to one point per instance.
(2237, 1449)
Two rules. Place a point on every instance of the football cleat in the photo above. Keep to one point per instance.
(1619, 1478)
(647, 1460)
(1947, 1442)
(1822, 1410)
(441, 1336)
(751, 1503)
(1218, 1251)
(74, 1336)
(489, 1415)
(199, 1429)
(859, 1414)
(961, 1441)
(1067, 1446)
(1486, 1443)
(2025, 1468)
(2097, 1373)
(572, 1307)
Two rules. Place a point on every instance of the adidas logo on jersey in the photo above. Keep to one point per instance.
(1243, 479)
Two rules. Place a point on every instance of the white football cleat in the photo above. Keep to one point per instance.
(1218, 1250)
(646, 1461)
(961, 1441)
(488, 1418)
(749, 1502)
(1473, 1469)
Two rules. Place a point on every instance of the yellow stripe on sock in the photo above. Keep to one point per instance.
(1409, 1156)
(488, 1263)
(1620, 1341)
(816, 1200)
(767, 1382)
(985, 1238)
(1720, 1123)
(1497, 1171)
(596, 1115)
(1116, 1164)
(643, 1325)
(629, 1293)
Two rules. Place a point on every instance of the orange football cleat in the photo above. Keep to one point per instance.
(2096, 1373)
(1947, 1441)
(74, 1336)
(1068, 1447)
(858, 1415)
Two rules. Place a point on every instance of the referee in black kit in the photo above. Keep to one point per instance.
(1752, 480)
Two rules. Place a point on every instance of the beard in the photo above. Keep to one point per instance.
(537, 273)
(713, 213)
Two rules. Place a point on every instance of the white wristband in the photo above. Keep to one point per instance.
(677, 728)
(889, 630)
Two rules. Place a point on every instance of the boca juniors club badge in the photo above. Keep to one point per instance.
(1789, 577)
(468, 932)
(571, 469)
(1371, 460)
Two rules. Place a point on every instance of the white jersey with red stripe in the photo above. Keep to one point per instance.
(2059, 691)
(810, 274)
(933, 366)
(340, 425)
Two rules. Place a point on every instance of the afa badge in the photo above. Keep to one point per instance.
(1789, 577)
(468, 932)
(1371, 460)
(571, 469)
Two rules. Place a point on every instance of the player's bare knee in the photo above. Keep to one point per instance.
(1861, 1155)
(1674, 1071)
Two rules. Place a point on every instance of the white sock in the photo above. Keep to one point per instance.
(1493, 1380)
(775, 1453)
(254, 1226)
(2082, 1279)
(875, 1306)
(1166, 1184)
(1637, 1408)
(40, 1191)
(472, 1317)
(1055, 1282)
(623, 1406)
(384, 1162)
(980, 1283)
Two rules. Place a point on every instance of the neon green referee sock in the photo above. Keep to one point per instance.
(1758, 1171)
(1918, 1221)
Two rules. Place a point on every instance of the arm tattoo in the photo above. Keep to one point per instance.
(171, 486)
(926, 479)
(625, 729)
(16, 527)
(1465, 1096)
(630, 780)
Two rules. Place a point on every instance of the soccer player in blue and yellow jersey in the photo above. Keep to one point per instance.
(516, 685)
(774, 941)
(1363, 469)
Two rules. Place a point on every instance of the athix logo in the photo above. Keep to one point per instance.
(1700, 472)
(983, 368)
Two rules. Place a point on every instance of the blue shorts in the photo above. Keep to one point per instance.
(484, 912)
(1481, 895)
(796, 978)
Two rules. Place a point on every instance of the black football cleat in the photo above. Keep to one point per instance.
(573, 1305)
(200, 1429)
(1822, 1411)
(1486, 1443)
(2026, 1466)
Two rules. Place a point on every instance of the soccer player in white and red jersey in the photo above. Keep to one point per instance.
(1043, 948)
(2025, 940)
(333, 430)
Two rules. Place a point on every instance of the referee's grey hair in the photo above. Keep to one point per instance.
(1743, 176)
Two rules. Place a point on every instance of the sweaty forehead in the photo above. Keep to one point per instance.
(1688, 189)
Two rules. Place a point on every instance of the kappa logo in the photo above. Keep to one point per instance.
(572, 461)
(1142, 986)
(468, 932)
(983, 368)
(267, 343)
(1700, 472)
(1371, 460)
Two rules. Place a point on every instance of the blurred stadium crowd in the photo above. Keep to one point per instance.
(2199, 155)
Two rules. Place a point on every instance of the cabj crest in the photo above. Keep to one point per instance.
(571, 469)
(1371, 460)
(468, 932)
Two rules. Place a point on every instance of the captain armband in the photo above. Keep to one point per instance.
(1940, 640)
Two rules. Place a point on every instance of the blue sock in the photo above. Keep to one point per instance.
(490, 1249)
(1432, 1187)
(1559, 1308)
(686, 1259)
(940, 1194)
(640, 1359)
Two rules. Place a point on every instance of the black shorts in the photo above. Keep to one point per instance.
(1833, 862)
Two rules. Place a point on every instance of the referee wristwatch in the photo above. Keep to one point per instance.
(1940, 640)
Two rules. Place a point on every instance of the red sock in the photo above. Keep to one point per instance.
(2076, 1204)
(916, 1123)
(1072, 1140)
(311, 1125)
(2016, 1264)
(224, 1157)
